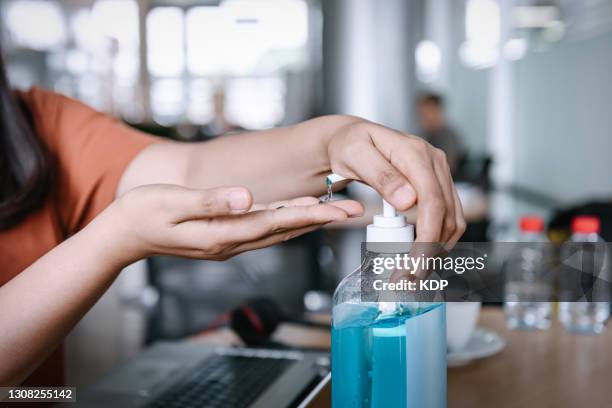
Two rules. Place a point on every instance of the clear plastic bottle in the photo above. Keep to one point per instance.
(386, 354)
(527, 280)
(582, 315)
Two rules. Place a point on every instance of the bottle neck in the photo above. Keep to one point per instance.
(531, 236)
(585, 237)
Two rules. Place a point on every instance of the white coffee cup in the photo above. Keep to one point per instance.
(461, 320)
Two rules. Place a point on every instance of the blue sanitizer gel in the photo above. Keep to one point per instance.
(387, 354)
(389, 360)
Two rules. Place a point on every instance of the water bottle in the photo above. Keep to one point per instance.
(586, 252)
(528, 281)
(386, 354)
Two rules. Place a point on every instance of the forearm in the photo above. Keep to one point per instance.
(42, 304)
(291, 162)
(274, 164)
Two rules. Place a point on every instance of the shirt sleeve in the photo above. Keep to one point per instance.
(91, 151)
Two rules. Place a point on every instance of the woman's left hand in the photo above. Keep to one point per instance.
(406, 170)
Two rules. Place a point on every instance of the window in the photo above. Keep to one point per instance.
(90, 50)
(237, 37)
(36, 24)
(482, 32)
(165, 27)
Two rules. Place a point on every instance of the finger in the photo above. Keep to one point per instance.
(459, 221)
(442, 170)
(300, 201)
(414, 161)
(351, 207)
(433, 219)
(259, 224)
(384, 178)
(236, 229)
(431, 204)
(400, 274)
(424, 250)
(274, 239)
(252, 245)
(188, 204)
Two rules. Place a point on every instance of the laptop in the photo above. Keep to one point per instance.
(188, 374)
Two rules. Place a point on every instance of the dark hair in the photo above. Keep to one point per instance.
(432, 98)
(25, 167)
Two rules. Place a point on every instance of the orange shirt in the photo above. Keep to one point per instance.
(90, 153)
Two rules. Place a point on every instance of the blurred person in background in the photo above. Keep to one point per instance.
(82, 196)
(436, 130)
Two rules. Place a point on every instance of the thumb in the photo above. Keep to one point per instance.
(214, 202)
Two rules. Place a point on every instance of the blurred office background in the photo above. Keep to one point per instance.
(526, 86)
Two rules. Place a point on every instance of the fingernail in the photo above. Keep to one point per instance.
(238, 200)
(402, 196)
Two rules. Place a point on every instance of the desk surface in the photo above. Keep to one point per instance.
(552, 368)
(536, 369)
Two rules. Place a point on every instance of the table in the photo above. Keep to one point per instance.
(546, 369)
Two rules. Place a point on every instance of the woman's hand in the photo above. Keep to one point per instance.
(211, 224)
(406, 170)
(42, 303)
(293, 161)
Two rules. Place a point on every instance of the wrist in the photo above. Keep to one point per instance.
(345, 143)
(331, 129)
(111, 238)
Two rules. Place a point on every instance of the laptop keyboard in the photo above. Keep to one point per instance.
(226, 381)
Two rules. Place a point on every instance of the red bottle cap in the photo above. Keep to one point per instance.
(586, 224)
(531, 223)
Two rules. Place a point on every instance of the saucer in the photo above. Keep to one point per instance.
(483, 343)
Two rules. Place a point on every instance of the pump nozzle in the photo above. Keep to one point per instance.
(386, 227)
(390, 227)
(388, 210)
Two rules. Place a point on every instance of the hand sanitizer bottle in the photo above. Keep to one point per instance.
(386, 354)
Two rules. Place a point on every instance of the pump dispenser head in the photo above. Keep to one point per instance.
(386, 227)
(390, 227)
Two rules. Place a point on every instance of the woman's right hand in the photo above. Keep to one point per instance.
(212, 224)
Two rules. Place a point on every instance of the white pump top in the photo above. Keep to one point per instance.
(390, 227)
(386, 227)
